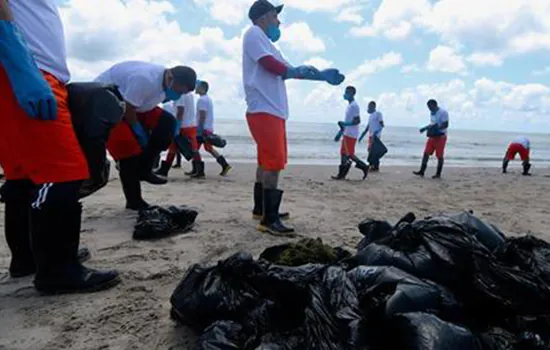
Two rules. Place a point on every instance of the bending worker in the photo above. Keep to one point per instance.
(146, 129)
(522, 146)
(40, 154)
(264, 74)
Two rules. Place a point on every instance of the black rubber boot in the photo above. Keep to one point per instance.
(225, 167)
(271, 223)
(423, 166)
(505, 165)
(200, 171)
(147, 160)
(363, 167)
(439, 170)
(164, 169)
(258, 212)
(178, 161)
(55, 235)
(343, 171)
(526, 168)
(131, 186)
(194, 168)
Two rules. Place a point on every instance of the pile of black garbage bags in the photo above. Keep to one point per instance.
(449, 282)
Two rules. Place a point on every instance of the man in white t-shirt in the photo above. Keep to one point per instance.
(350, 128)
(42, 159)
(184, 111)
(374, 128)
(522, 146)
(264, 73)
(205, 128)
(437, 138)
(146, 129)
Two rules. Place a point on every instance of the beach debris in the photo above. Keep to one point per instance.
(157, 222)
(305, 251)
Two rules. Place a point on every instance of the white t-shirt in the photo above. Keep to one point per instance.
(352, 111)
(524, 141)
(40, 25)
(440, 117)
(205, 104)
(187, 101)
(139, 83)
(375, 124)
(265, 92)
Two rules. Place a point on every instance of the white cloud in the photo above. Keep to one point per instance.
(319, 62)
(543, 71)
(351, 14)
(410, 68)
(321, 5)
(299, 37)
(445, 59)
(485, 59)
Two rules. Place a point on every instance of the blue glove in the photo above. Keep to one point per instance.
(344, 124)
(333, 76)
(141, 135)
(302, 72)
(29, 87)
(178, 128)
(339, 136)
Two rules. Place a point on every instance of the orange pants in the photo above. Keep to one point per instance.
(41, 151)
(269, 132)
(348, 146)
(123, 143)
(437, 145)
(517, 148)
(191, 134)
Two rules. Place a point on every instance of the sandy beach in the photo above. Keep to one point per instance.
(135, 315)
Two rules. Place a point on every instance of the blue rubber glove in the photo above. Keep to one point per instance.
(29, 87)
(333, 76)
(338, 136)
(141, 134)
(178, 128)
(302, 72)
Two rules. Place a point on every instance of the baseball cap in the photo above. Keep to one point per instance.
(261, 7)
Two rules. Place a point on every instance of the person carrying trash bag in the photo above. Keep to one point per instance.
(264, 74)
(522, 146)
(437, 138)
(375, 146)
(146, 129)
(43, 161)
(350, 130)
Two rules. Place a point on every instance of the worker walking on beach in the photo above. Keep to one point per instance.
(437, 138)
(264, 74)
(350, 128)
(205, 128)
(42, 159)
(146, 129)
(522, 146)
(374, 128)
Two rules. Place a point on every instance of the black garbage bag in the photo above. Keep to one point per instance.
(421, 331)
(386, 291)
(490, 236)
(221, 292)
(157, 222)
(215, 140)
(497, 339)
(528, 253)
(222, 335)
(375, 230)
(305, 251)
(377, 151)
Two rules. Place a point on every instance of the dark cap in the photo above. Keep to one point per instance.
(185, 76)
(261, 7)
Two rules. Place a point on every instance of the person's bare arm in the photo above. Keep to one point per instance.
(5, 14)
(179, 113)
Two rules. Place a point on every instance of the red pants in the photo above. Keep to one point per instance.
(42, 151)
(517, 148)
(348, 146)
(122, 142)
(191, 134)
(437, 145)
(269, 132)
(207, 146)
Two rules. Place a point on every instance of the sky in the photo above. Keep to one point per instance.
(486, 61)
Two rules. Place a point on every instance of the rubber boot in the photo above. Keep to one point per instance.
(131, 186)
(343, 171)
(55, 235)
(258, 211)
(439, 170)
(526, 168)
(178, 161)
(423, 166)
(505, 165)
(147, 160)
(225, 167)
(200, 171)
(363, 167)
(271, 223)
(164, 169)
(194, 169)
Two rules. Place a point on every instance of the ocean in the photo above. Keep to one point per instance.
(312, 143)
